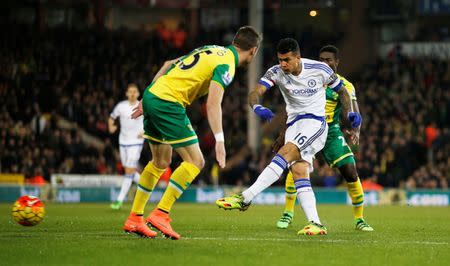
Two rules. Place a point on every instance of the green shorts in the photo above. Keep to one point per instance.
(166, 122)
(336, 151)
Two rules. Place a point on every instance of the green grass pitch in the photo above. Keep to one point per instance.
(90, 234)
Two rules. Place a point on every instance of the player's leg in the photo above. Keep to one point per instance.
(183, 175)
(136, 154)
(126, 181)
(130, 157)
(169, 124)
(124, 188)
(309, 136)
(307, 199)
(290, 198)
(180, 180)
(300, 137)
(356, 193)
(162, 155)
(136, 177)
(338, 154)
(288, 153)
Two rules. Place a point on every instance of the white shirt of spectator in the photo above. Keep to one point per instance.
(130, 129)
(305, 93)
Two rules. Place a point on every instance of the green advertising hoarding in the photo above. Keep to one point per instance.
(210, 194)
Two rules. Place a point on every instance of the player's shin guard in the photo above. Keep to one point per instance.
(356, 193)
(290, 193)
(149, 177)
(180, 180)
(307, 199)
(268, 176)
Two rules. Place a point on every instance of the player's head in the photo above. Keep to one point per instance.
(132, 92)
(288, 53)
(246, 41)
(329, 54)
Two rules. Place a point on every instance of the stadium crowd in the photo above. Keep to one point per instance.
(81, 75)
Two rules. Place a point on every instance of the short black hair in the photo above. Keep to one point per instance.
(331, 49)
(288, 45)
(132, 85)
(246, 38)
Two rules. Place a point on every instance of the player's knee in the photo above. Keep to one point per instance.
(129, 170)
(289, 152)
(300, 170)
(161, 163)
(349, 172)
(199, 162)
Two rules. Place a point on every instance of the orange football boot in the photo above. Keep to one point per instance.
(161, 221)
(135, 224)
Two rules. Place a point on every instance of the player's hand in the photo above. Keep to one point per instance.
(278, 143)
(220, 153)
(355, 119)
(137, 111)
(353, 135)
(112, 129)
(263, 112)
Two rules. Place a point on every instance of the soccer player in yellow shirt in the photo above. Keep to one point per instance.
(206, 70)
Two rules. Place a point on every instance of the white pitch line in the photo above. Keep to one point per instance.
(309, 240)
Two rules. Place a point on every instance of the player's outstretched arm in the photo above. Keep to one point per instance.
(214, 111)
(164, 68)
(253, 99)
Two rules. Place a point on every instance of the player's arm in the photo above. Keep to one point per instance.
(138, 111)
(165, 67)
(336, 84)
(354, 132)
(254, 96)
(344, 98)
(214, 112)
(112, 127)
(354, 118)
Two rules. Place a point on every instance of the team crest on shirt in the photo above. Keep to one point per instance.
(312, 83)
(226, 78)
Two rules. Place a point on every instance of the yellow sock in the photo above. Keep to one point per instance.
(356, 193)
(180, 180)
(291, 193)
(147, 182)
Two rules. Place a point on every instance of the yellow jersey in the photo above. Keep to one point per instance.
(333, 105)
(190, 77)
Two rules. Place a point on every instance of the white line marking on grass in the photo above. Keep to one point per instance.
(309, 240)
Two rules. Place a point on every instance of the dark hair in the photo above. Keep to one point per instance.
(246, 38)
(331, 49)
(132, 85)
(288, 45)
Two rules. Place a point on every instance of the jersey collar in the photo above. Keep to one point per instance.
(236, 56)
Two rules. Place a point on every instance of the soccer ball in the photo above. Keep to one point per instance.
(28, 211)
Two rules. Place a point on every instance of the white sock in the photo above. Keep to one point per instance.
(136, 177)
(305, 195)
(126, 184)
(268, 176)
